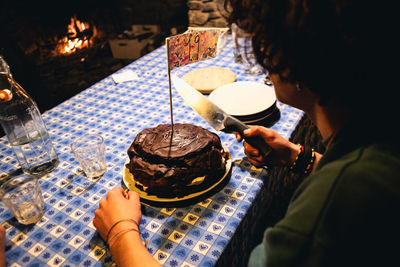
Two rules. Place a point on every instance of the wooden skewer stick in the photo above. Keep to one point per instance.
(170, 89)
(170, 96)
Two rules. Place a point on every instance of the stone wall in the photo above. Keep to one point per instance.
(166, 13)
(206, 13)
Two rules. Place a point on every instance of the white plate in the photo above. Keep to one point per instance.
(243, 98)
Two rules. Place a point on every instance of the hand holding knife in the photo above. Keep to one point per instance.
(216, 117)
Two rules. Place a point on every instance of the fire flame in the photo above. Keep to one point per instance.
(79, 36)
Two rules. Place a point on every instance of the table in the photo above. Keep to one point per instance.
(195, 235)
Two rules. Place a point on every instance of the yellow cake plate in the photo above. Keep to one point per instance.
(128, 181)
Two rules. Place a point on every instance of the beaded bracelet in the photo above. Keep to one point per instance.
(304, 160)
(311, 163)
(301, 150)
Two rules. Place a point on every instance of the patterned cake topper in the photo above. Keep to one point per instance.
(196, 44)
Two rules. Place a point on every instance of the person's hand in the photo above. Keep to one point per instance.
(284, 152)
(118, 210)
(2, 246)
(115, 207)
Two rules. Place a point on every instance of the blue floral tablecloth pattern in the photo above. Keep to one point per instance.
(195, 235)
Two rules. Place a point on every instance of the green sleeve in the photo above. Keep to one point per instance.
(281, 247)
(343, 215)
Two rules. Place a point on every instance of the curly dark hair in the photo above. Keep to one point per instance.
(325, 45)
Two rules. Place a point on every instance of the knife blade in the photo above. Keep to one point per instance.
(215, 116)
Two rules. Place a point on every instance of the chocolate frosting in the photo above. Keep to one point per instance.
(156, 143)
(167, 165)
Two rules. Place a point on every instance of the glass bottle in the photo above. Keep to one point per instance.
(24, 127)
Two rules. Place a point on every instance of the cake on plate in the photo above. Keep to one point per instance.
(174, 166)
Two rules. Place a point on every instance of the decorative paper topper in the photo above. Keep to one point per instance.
(196, 44)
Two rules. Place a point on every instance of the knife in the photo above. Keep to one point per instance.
(216, 117)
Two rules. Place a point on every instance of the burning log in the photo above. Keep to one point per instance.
(80, 35)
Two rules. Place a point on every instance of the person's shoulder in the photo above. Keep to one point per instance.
(366, 172)
(374, 167)
(360, 207)
(350, 184)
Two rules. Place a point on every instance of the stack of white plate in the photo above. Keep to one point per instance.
(251, 102)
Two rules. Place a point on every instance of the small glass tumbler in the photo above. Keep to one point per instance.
(243, 51)
(89, 150)
(22, 195)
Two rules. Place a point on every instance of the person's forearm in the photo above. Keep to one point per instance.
(129, 250)
(2, 246)
(2, 259)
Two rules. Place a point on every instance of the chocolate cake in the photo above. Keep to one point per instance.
(189, 162)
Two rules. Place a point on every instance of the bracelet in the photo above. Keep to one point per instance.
(311, 163)
(123, 220)
(304, 160)
(118, 235)
(301, 150)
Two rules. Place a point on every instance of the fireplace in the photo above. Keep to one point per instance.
(58, 48)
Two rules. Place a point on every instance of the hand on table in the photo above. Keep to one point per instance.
(116, 207)
(284, 151)
(116, 212)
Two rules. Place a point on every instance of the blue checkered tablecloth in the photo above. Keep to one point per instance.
(195, 235)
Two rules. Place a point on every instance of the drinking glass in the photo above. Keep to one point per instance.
(22, 195)
(243, 51)
(89, 150)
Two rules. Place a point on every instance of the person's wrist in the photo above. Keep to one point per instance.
(124, 240)
(295, 149)
(120, 229)
(304, 160)
(122, 226)
(119, 226)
